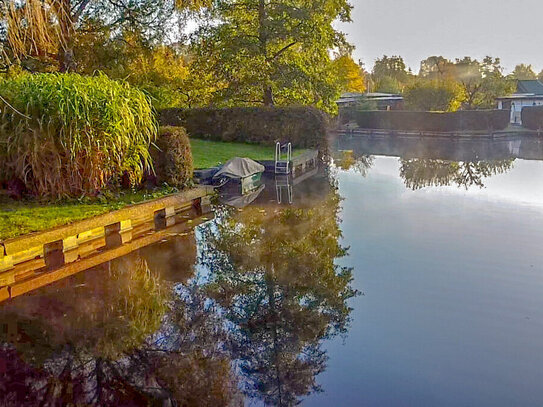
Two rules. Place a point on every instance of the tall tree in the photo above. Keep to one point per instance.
(390, 74)
(482, 81)
(270, 52)
(524, 72)
(436, 68)
(350, 74)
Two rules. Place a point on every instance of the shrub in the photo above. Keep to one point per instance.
(465, 120)
(172, 157)
(532, 117)
(302, 126)
(69, 135)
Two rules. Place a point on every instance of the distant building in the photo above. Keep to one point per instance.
(529, 93)
(383, 101)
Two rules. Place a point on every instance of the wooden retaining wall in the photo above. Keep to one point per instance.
(53, 249)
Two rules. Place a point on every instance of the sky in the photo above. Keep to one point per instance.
(416, 29)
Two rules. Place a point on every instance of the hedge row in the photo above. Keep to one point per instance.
(532, 117)
(302, 126)
(465, 120)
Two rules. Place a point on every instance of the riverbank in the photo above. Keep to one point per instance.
(18, 218)
(508, 132)
(24, 259)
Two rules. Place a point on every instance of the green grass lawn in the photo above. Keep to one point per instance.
(21, 217)
(207, 154)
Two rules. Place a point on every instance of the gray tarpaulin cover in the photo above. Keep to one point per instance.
(239, 168)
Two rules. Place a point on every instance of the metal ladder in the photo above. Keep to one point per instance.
(282, 166)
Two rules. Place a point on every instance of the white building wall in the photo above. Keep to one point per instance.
(516, 108)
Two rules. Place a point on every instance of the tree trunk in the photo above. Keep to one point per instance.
(267, 96)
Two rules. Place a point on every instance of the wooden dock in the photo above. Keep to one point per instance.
(298, 163)
(31, 261)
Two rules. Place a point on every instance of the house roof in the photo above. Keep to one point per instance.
(349, 97)
(523, 96)
(533, 87)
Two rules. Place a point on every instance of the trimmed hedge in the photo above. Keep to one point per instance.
(464, 120)
(532, 117)
(172, 157)
(304, 127)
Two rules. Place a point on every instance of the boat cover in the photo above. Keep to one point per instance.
(240, 168)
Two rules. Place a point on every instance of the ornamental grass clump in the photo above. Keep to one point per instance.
(67, 135)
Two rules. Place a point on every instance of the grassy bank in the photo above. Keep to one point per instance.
(21, 217)
(208, 154)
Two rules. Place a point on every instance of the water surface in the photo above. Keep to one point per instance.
(408, 272)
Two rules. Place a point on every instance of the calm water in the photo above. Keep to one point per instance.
(409, 273)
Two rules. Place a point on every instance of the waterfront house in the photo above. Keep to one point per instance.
(382, 101)
(529, 93)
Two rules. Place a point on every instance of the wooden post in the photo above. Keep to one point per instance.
(54, 254)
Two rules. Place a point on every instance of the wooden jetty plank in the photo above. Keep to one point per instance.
(20, 244)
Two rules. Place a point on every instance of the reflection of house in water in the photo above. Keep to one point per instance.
(529, 93)
(382, 101)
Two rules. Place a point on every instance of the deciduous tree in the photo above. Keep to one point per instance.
(482, 81)
(524, 72)
(268, 52)
(433, 95)
(390, 74)
(350, 74)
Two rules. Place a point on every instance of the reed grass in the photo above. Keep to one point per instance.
(66, 135)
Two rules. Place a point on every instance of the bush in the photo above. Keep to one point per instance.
(302, 126)
(532, 117)
(172, 157)
(465, 120)
(66, 135)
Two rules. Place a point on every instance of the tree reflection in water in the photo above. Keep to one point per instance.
(349, 159)
(425, 172)
(143, 331)
(123, 340)
(273, 272)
